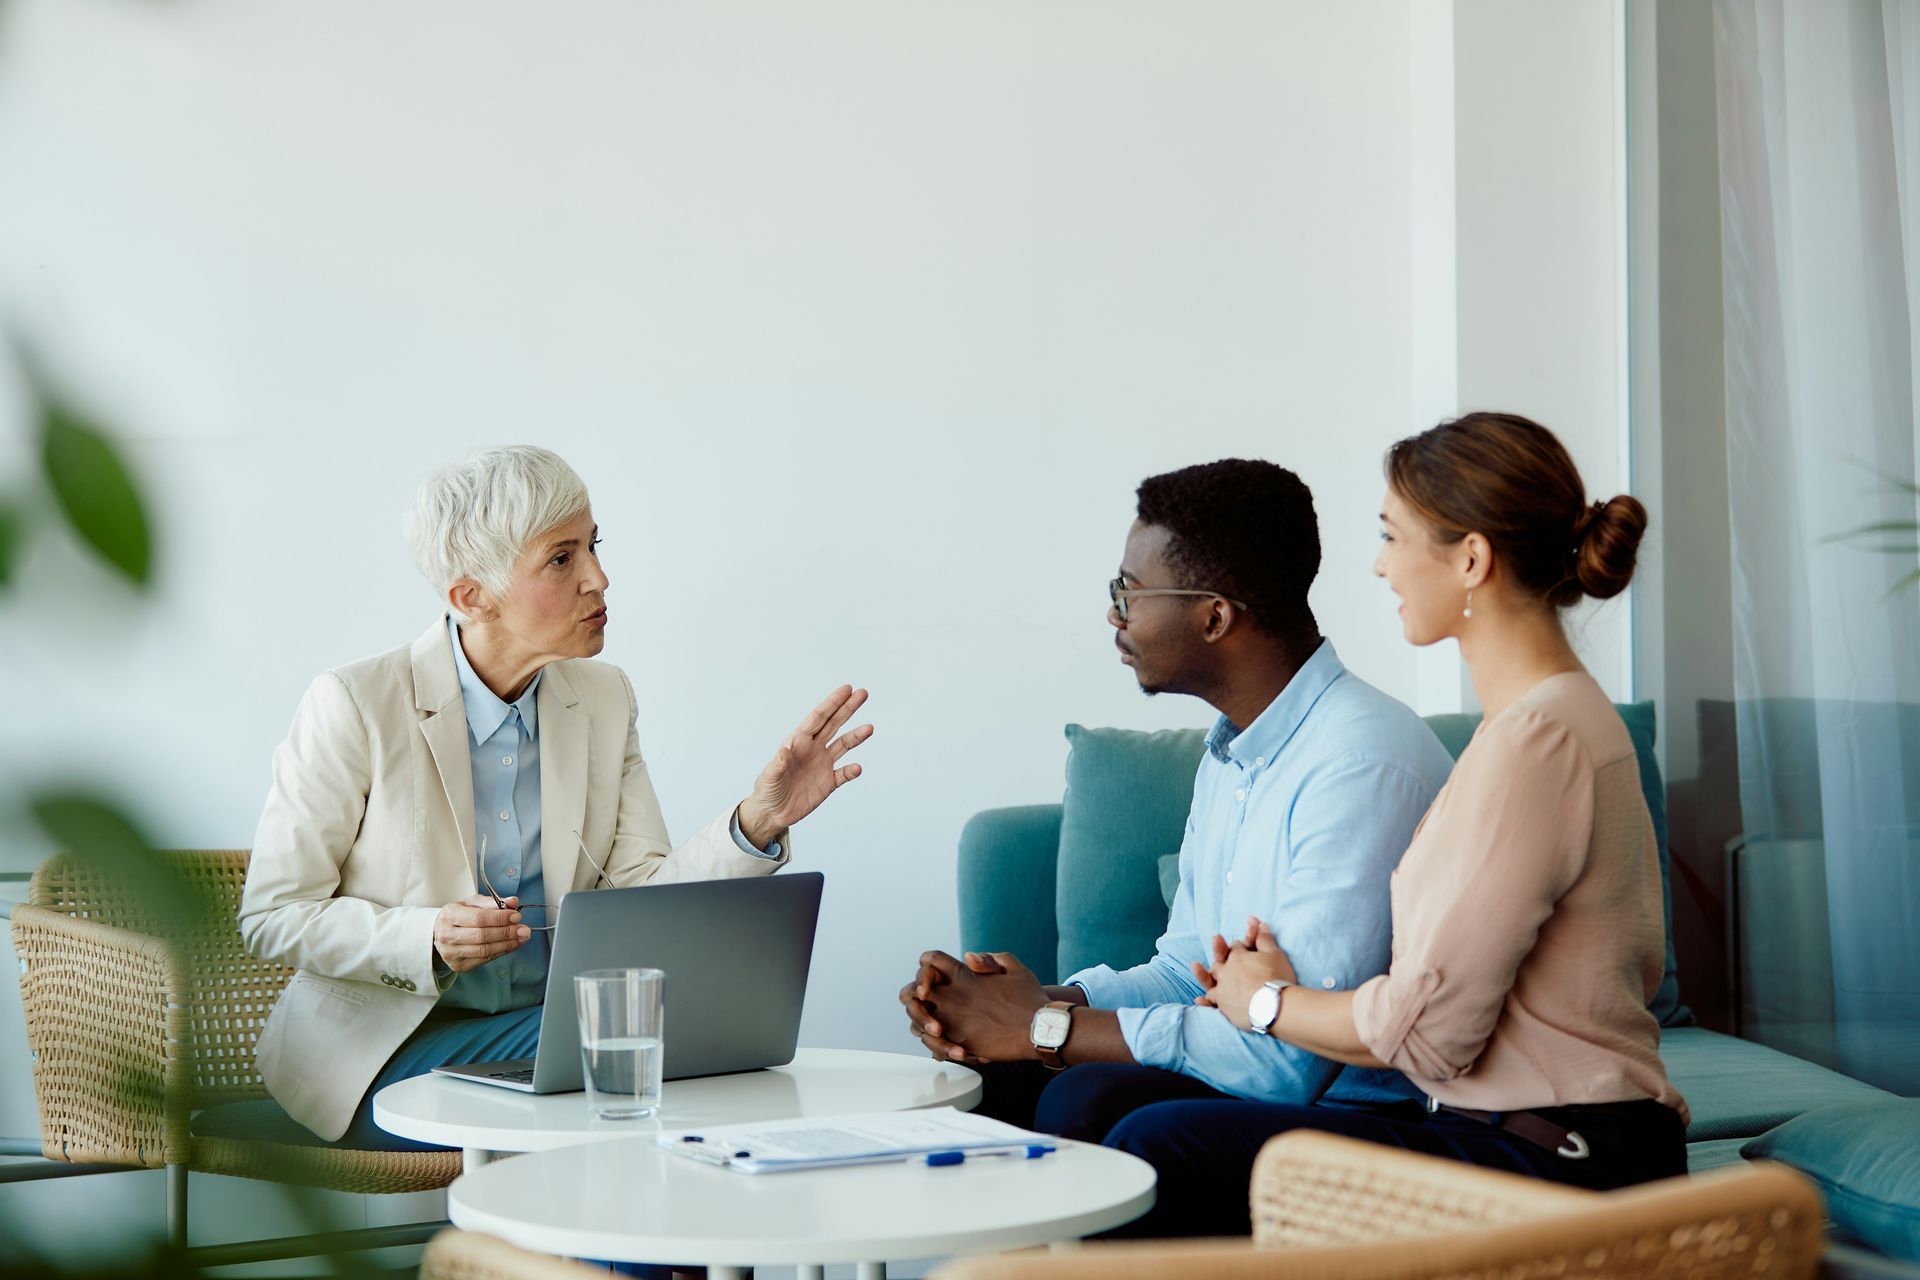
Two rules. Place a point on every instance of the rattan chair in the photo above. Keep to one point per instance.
(1325, 1206)
(135, 1022)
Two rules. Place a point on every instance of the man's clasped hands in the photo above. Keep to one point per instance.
(979, 1007)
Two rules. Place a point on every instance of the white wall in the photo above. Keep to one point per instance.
(862, 321)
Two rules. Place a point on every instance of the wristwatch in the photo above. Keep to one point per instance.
(1264, 1006)
(1052, 1023)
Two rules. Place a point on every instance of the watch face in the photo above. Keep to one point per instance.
(1050, 1027)
(1262, 1006)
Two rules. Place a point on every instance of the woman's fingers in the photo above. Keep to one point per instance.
(817, 718)
(848, 741)
(849, 704)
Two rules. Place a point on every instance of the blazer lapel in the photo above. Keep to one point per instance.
(436, 692)
(563, 780)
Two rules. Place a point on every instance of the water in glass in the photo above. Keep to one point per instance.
(621, 1054)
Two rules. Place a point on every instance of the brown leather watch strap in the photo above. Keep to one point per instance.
(1050, 1057)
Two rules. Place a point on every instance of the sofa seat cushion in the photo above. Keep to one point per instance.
(1721, 1152)
(1738, 1089)
(1865, 1158)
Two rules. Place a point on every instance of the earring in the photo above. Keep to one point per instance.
(1468, 611)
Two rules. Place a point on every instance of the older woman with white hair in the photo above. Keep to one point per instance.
(424, 795)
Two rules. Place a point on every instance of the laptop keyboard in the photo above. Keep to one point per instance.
(520, 1075)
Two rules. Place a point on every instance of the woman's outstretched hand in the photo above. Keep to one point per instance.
(805, 769)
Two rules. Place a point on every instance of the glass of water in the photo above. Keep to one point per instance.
(620, 1048)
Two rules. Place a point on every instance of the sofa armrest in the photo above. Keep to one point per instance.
(1006, 884)
(105, 1010)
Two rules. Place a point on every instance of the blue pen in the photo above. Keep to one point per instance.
(1033, 1151)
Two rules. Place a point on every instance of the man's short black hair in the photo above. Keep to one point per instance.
(1244, 528)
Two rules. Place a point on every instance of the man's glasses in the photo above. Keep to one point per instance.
(541, 907)
(1119, 592)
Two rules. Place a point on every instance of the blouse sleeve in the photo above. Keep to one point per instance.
(1507, 844)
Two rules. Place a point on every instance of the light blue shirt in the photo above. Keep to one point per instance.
(503, 740)
(1299, 819)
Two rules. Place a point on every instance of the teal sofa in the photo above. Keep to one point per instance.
(1087, 881)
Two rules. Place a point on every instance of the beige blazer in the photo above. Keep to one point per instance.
(368, 832)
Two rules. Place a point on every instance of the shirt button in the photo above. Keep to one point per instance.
(514, 871)
(1327, 983)
(505, 816)
(1240, 794)
(1260, 760)
(1229, 877)
(507, 760)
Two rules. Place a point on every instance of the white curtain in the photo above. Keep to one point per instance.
(1819, 125)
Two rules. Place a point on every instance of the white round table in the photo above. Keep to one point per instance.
(485, 1119)
(631, 1201)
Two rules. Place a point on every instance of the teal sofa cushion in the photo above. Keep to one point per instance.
(1126, 806)
(1737, 1089)
(1006, 878)
(1865, 1157)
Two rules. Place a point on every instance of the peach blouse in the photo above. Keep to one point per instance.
(1527, 919)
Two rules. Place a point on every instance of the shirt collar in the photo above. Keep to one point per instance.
(1274, 727)
(486, 712)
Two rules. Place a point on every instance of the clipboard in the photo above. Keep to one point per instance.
(936, 1136)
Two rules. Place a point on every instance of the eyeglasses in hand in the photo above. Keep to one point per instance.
(486, 885)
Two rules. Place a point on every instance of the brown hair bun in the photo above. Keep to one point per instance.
(1606, 543)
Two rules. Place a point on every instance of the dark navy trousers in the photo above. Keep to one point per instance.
(1202, 1143)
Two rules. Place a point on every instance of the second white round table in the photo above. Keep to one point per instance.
(484, 1120)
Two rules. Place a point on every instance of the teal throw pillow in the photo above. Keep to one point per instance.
(1865, 1157)
(1126, 805)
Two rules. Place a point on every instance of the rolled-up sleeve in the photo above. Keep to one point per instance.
(1505, 844)
(1347, 831)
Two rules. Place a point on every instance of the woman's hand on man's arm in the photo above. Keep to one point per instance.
(469, 933)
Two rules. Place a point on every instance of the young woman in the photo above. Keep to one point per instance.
(1527, 916)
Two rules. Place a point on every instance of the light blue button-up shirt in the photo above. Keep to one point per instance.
(503, 741)
(1299, 819)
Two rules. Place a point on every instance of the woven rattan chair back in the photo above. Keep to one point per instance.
(230, 992)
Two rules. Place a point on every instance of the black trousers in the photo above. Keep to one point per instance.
(1083, 1102)
(1204, 1151)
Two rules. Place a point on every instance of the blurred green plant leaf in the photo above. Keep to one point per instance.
(98, 834)
(10, 528)
(95, 489)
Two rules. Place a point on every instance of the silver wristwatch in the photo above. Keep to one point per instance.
(1264, 1006)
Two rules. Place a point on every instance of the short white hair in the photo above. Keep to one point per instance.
(473, 519)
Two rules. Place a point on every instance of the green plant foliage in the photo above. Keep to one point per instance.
(95, 489)
(9, 542)
(94, 831)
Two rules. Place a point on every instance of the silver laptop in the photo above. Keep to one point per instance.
(735, 952)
